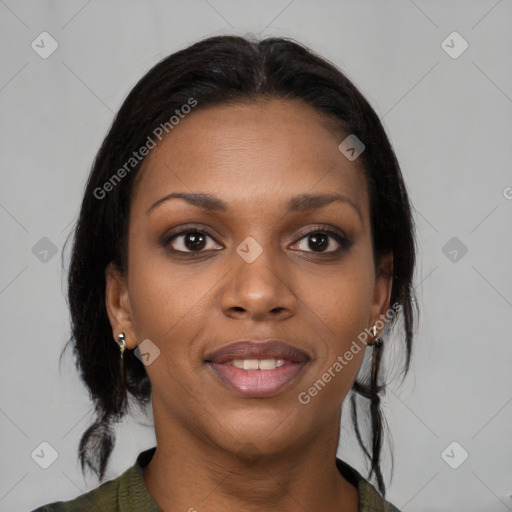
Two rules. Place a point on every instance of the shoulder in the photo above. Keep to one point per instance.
(123, 494)
(370, 500)
(104, 497)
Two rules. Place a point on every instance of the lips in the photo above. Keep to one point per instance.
(257, 368)
(268, 349)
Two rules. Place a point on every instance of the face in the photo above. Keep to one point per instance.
(278, 246)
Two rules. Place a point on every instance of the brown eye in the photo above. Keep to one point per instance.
(322, 241)
(190, 240)
(318, 241)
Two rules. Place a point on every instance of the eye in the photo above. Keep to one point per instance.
(320, 240)
(190, 240)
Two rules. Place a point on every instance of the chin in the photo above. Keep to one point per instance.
(252, 439)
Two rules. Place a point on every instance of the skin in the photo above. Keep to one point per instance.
(218, 450)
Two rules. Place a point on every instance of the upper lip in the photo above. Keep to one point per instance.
(258, 349)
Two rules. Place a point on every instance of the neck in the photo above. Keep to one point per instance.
(187, 473)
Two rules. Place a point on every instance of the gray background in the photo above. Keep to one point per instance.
(449, 121)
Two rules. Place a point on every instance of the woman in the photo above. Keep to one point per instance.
(244, 239)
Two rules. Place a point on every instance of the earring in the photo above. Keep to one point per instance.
(378, 341)
(121, 342)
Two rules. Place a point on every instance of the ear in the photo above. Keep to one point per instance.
(118, 305)
(382, 290)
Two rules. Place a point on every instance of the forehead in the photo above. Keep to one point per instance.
(263, 151)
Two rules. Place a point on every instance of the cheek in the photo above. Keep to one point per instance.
(337, 317)
(343, 316)
(338, 309)
(160, 297)
(164, 304)
(341, 302)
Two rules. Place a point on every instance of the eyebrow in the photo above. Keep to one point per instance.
(300, 203)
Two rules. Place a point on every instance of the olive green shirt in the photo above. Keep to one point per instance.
(127, 493)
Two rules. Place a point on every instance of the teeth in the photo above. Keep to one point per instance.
(250, 364)
(255, 364)
(267, 364)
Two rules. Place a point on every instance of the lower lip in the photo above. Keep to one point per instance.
(257, 383)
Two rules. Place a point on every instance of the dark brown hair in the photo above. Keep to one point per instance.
(216, 71)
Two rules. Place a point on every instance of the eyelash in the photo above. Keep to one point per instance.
(343, 242)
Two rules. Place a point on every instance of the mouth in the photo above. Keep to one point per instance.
(257, 368)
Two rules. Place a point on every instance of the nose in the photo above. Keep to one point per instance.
(260, 290)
